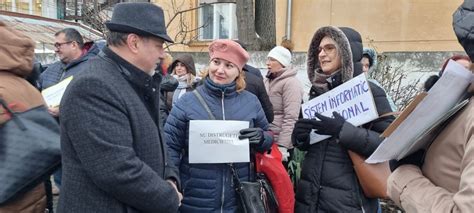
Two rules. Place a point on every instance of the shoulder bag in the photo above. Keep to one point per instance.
(29, 150)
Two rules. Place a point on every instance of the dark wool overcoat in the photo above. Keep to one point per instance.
(113, 153)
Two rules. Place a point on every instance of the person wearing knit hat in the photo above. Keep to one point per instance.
(281, 54)
(222, 90)
(285, 93)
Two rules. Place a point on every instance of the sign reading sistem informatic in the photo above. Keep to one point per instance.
(353, 100)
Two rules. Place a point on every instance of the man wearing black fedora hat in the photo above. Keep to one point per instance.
(114, 155)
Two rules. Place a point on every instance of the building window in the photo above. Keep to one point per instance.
(217, 21)
(32, 7)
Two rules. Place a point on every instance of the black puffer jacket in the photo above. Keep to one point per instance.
(463, 20)
(255, 86)
(328, 181)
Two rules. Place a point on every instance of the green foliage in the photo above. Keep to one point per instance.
(294, 166)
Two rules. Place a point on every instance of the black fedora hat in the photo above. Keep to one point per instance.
(139, 18)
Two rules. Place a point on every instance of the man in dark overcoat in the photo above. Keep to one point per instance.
(114, 156)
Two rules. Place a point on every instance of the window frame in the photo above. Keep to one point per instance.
(216, 13)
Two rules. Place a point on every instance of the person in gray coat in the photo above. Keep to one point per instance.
(114, 155)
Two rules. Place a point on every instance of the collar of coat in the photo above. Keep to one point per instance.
(133, 74)
(218, 90)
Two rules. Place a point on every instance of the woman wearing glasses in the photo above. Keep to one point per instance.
(328, 181)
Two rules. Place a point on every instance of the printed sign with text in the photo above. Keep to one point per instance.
(217, 141)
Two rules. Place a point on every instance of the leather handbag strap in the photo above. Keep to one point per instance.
(204, 104)
(13, 116)
(5, 106)
(390, 113)
(235, 175)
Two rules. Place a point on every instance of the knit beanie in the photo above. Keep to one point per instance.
(280, 54)
(229, 50)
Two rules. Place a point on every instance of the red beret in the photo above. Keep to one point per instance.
(229, 50)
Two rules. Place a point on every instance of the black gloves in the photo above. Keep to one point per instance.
(300, 134)
(255, 136)
(415, 158)
(327, 125)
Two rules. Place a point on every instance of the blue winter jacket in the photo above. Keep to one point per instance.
(209, 187)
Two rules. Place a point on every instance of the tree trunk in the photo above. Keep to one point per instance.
(246, 28)
(265, 23)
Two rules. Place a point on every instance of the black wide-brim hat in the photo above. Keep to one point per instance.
(145, 19)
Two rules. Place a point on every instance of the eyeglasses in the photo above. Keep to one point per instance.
(58, 45)
(328, 49)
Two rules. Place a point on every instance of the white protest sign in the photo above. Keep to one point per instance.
(353, 100)
(52, 95)
(217, 141)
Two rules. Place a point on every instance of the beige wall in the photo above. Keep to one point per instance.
(387, 25)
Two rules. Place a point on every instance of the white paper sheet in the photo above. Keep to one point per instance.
(442, 98)
(353, 100)
(217, 141)
(53, 95)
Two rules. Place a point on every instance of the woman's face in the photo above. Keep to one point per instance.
(222, 71)
(180, 69)
(273, 65)
(329, 58)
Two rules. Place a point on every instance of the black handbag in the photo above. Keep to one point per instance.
(30, 151)
(255, 197)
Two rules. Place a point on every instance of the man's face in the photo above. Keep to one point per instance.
(365, 64)
(150, 53)
(65, 50)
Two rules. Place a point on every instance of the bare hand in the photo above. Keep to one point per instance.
(54, 111)
(180, 196)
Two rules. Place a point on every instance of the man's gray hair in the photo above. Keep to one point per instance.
(116, 38)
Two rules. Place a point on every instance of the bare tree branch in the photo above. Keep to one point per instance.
(188, 10)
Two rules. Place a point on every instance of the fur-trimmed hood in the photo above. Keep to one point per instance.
(349, 47)
(372, 54)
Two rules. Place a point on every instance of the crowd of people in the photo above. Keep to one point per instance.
(125, 122)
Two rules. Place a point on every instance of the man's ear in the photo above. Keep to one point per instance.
(132, 42)
(75, 44)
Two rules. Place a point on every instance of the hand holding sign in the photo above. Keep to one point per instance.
(300, 136)
(255, 135)
(353, 100)
(327, 125)
(323, 126)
